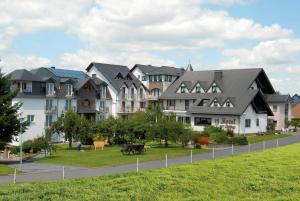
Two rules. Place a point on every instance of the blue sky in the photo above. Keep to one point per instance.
(210, 34)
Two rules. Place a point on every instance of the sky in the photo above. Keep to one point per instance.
(209, 34)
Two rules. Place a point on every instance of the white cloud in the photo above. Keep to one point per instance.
(13, 62)
(82, 58)
(143, 25)
(17, 17)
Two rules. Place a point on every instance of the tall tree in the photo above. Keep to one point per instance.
(9, 122)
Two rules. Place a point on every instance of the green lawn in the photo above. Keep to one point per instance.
(261, 138)
(5, 170)
(270, 175)
(112, 156)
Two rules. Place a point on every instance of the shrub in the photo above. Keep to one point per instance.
(218, 137)
(208, 130)
(198, 146)
(38, 144)
(239, 140)
(27, 146)
(229, 132)
(14, 150)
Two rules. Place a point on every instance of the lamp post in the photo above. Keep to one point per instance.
(21, 142)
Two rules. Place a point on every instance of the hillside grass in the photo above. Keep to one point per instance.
(5, 170)
(112, 156)
(268, 175)
(261, 138)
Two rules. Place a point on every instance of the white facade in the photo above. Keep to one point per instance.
(258, 122)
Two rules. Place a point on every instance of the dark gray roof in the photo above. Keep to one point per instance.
(277, 98)
(23, 75)
(155, 70)
(234, 85)
(111, 72)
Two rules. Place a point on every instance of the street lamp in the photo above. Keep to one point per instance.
(21, 142)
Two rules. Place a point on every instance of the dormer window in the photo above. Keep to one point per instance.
(227, 103)
(50, 88)
(183, 89)
(198, 89)
(215, 103)
(69, 90)
(214, 88)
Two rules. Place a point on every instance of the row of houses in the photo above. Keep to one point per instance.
(242, 99)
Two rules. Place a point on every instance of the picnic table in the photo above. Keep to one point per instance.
(133, 149)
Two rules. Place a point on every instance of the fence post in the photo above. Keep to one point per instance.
(213, 153)
(166, 160)
(137, 164)
(264, 145)
(63, 173)
(15, 176)
(231, 149)
(277, 142)
(191, 156)
(249, 147)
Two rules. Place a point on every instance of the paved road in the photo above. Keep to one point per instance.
(37, 171)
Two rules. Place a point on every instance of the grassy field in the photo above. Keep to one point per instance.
(5, 170)
(112, 156)
(261, 138)
(270, 175)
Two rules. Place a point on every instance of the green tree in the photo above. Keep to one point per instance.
(9, 122)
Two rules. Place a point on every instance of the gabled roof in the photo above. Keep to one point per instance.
(81, 83)
(277, 98)
(162, 70)
(111, 71)
(234, 85)
(23, 75)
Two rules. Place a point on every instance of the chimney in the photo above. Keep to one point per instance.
(218, 75)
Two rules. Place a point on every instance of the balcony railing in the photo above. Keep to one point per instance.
(130, 109)
(68, 108)
(169, 108)
(51, 94)
(50, 110)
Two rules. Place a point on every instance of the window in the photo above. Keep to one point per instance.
(198, 89)
(142, 104)
(160, 78)
(50, 88)
(275, 107)
(132, 93)
(257, 122)
(123, 92)
(69, 90)
(247, 123)
(214, 88)
(188, 120)
(180, 119)
(86, 103)
(68, 105)
(215, 103)
(170, 78)
(200, 121)
(186, 104)
(30, 118)
(48, 120)
(103, 92)
(171, 103)
(24, 87)
(139, 77)
(183, 88)
(144, 78)
(102, 105)
(217, 122)
(166, 78)
(141, 93)
(150, 78)
(203, 102)
(123, 105)
(155, 92)
(227, 104)
(132, 106)
(49, 104)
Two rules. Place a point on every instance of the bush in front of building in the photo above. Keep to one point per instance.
(27, 146)
(218, 137)
(238, 140)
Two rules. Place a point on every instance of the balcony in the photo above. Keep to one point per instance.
(104, 110)
(130, 109)
(70, 95)
(152, 97)
(68, 108)
(50, 110)
(50, 94)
